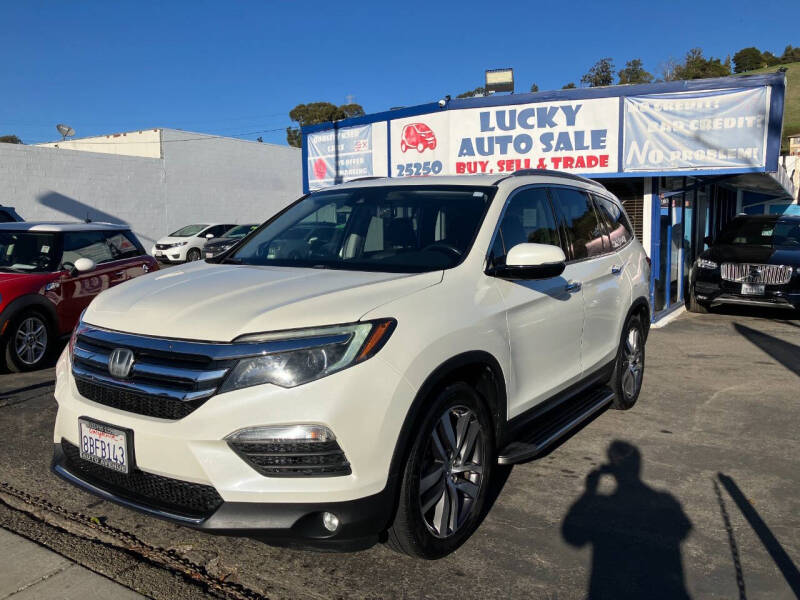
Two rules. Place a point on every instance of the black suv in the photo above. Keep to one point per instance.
(754, 261)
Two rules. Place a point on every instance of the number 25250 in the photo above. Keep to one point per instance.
(416, 169)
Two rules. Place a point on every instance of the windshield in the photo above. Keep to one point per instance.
(747, 232)
(239, 231)
(396, 229)
(188, 231)
(28, 252)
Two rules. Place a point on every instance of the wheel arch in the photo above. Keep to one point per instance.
(641, 307)
(28, 302)
(477, 368)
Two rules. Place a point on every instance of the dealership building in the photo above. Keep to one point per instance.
(684, 157)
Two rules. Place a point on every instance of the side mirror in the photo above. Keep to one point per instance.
(83, 265)
(209, 236)
(531, 261)
(709, 240)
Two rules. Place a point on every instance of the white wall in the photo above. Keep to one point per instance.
(145, 143)
(68, 185)
(199, 179)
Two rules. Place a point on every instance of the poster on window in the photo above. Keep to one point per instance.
(339, 155)
(696, 130)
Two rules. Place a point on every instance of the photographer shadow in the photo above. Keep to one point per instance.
(635, 532)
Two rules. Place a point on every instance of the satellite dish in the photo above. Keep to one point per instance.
(65, 130)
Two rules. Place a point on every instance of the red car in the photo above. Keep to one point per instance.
(49, 272)
(417, 135)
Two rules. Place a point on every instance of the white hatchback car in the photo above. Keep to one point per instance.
(370, 383)
(186, 244)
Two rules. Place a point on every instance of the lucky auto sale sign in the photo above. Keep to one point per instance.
(579, 136)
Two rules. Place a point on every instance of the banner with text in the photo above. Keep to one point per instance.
(579, 136)
(335, 156)
(688, 130)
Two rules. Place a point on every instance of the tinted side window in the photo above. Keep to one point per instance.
(585, 234)
(619, 228)
(216, 231)
(528, 218)
(86, 244)
(123, 244)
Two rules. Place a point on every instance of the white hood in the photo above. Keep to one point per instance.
(174, 240)
(214, 302)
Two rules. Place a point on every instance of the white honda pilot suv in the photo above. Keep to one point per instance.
(366, 387)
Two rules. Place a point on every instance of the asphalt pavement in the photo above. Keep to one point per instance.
(695, 492)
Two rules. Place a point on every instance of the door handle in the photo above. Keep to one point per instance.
(573, 286)
(119, 274)
(616, 269)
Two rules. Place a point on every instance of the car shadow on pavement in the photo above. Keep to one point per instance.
(782, 315)
(776, 551)
(635, 532)
(786, 353)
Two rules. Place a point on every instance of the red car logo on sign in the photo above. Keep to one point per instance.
(419, 136)
(320, 168)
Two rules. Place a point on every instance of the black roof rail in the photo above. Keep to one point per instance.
(365, 178)
(551, 173)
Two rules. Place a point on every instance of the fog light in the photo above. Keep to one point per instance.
(330, 521)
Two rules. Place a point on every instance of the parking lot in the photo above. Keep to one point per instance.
(713, 512)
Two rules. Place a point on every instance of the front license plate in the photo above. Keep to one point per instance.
(752, 289)
(104, 445)
(209, 255)
(157, 253)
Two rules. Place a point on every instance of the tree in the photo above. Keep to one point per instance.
(318, 112)
(476, 93)
(790, 55)
(696, 66)
(9, 139)
(770, 59)
(534, 87)
(748, 59)
(569, 86)
(601, 73)
(634, 73)
(668, 69)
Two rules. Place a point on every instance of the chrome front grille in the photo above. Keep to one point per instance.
(169, 378)
(755, 273)
(161, 383)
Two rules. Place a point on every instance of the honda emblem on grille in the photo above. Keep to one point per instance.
(120, 363)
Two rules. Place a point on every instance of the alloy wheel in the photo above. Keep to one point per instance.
(632, 364)
(451, 475)
(30, 341)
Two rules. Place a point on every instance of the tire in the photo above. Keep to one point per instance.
(626, 382)
(421, 527)
(693, 306)
(420, 147)
(28, 342)
(192, 255)
(403, 146)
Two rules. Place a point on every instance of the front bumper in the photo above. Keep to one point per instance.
(360, 520)
(364, 406)
(715, 293)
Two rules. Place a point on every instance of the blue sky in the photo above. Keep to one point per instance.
(238, 67)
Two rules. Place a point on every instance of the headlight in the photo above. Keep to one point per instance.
(704, 263)
(75, 332)
(177, 244)
(322, 351)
